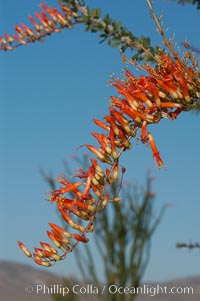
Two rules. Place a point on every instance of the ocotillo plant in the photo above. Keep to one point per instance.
(50, 20)
(72, 12)
(170, 87)
(123, 233)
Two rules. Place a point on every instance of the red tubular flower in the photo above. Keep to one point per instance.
(112, 123)
(103, 141)
(122, 141)
(7, 47)
(154, 91)
(183, 85)
(41, 262)
(9, 38)
(98, 169)
(54, 240)
(44, 22)
(170, 105)
(73, 204)
(63, 180)
(98, 153)
(37, 26)
(140, 96)
(72, 188)
(113, 174)
(51, 12)
(50, 20)
(135, 115)
(121, 120)
(80, 238)
(21, 33)
(46, 19)
(52, 255)
(18, 39)
(131, 100)
(113, 144)
(28, 30)
(40, 253)
(144, 136)
(3, 41)
(61, 19)
(69, 221)
(61, 239)
(60, 230)
(48, 247)
(101, 124)
(24, 249)
(65, 8)
(155, 151)
(169, 87)
(88, 176)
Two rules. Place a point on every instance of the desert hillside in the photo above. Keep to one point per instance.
(20, 282)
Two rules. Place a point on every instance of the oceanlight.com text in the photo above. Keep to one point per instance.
(90, 289)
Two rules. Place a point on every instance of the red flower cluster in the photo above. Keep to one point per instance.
(48, 21)
(169, 88)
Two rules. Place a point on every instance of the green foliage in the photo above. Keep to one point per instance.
(112, 31)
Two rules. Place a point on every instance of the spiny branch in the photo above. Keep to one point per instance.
(48, 21)
(171, 87)
(111, 30)
(164, 93)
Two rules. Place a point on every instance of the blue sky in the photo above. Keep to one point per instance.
(49, 94)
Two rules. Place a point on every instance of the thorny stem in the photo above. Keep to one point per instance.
(125, 38)
(169, 88)
(166, 41)
(84, 11)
